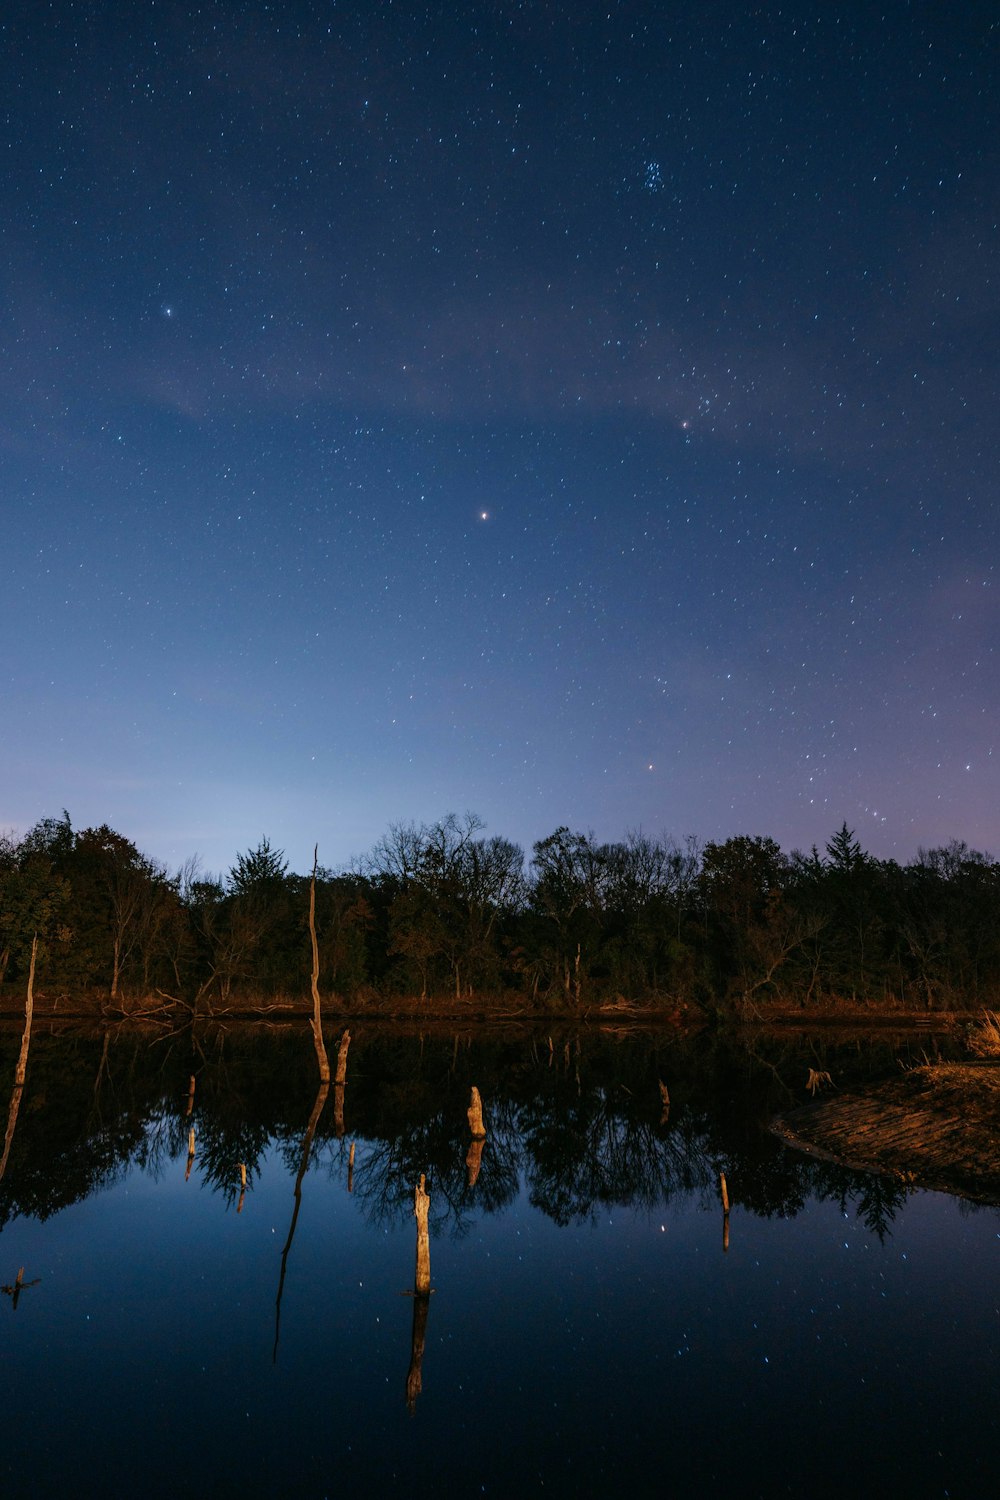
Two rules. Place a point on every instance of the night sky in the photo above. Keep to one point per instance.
(572, 413)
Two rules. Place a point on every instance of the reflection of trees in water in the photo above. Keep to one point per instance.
(593, 1153)
(578, 1125)
(384, 1176)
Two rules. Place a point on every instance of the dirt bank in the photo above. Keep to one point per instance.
(936, 1126)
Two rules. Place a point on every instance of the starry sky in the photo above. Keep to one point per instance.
(573, 413)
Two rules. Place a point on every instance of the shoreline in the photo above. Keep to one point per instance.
(937, 1127)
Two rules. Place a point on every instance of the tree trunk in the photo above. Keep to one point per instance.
(317, 1020)
(21, 1070)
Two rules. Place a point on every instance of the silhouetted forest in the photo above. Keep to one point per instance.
(442, 917)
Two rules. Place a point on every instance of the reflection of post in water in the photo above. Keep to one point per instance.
(190, 1161)
(421, 1296)
(243, 1186)
(340, 1083)
(307, 1141)
(350, 1169)
(664, 1103)
(414, 1376)
(21, 1070)
(190, 1108)
(477, 1129)
(724, 1194)
(474, 1160)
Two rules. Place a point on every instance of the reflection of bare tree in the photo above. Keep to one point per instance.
(307, 1141)
(340, 1083)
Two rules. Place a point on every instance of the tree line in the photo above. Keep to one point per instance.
(442, 916)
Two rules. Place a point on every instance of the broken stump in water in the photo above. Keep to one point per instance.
(421, 1204)
(340, 1083)
(475, 1113)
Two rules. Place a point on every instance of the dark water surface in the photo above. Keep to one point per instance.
(587, 1333)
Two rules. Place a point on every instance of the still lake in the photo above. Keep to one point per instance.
(587, 1332)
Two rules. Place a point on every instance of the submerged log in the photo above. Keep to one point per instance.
(20, 1285)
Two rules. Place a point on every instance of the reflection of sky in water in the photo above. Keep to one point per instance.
(626, 1352)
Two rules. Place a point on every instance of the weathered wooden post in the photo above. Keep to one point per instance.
(421, 1295)
(317, 1018)
(345, 1041)
(190, 1108)
(340, 1083)
(21, 1070)
(421, 1204)
(475, 1113)
(477, 1130)
(724, 1193)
